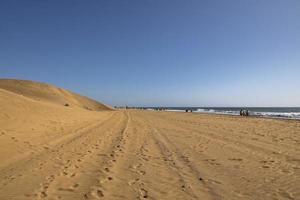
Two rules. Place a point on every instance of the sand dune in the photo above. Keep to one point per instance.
(47, 93)
(50, 151)
(28, 114)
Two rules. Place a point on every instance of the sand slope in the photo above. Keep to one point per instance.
(35, 121)
(51, 152)
(51, 94)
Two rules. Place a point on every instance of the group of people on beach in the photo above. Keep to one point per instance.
(244, 112)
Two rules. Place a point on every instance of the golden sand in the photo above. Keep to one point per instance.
(52, 151)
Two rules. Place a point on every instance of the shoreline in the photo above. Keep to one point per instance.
(228, 114)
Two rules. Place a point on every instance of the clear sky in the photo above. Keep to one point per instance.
(157, 52)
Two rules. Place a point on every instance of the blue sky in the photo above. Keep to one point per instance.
(157, 53)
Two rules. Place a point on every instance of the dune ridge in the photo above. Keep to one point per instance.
(48, 93)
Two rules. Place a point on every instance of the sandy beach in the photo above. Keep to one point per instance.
(150, 100)
(52, 151)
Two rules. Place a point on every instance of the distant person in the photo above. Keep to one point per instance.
(241, 112)
(247, 113)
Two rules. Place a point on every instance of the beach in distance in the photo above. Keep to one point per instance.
(56, 144)
(268, 112)
(150, 100)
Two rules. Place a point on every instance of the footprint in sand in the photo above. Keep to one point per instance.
(14, 139)
(212, 161)
(43, 194)
(144, 193)
(266, 163)
(106, 169)
(64, 173)
(137, 166)
(132, 182)
(146, 159)
(142, 172)
(96, 193)
(46, 147)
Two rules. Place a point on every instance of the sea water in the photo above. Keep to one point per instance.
(273, 112)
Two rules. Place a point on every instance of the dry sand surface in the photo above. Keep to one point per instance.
(50, 151)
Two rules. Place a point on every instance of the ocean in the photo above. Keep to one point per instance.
(271, 112)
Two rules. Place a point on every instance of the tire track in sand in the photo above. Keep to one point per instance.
(78, 179)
